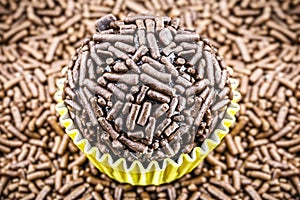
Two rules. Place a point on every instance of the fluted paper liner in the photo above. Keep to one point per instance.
(153, 174)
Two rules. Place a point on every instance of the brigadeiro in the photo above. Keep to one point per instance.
(148, 97)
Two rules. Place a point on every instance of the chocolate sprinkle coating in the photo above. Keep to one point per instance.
(153, 79)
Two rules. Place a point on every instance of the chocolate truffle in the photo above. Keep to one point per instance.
(146, 89)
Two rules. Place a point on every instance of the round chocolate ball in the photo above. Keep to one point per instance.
(146, 89)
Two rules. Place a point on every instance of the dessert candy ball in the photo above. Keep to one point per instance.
(146, 89)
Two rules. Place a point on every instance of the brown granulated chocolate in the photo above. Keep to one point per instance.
(253, 35)
(142, 108)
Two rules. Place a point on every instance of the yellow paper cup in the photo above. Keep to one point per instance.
(153, 174)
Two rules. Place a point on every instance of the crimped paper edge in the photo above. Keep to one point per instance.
(136, 174)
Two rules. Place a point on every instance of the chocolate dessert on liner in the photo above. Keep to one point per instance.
(146, 89)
